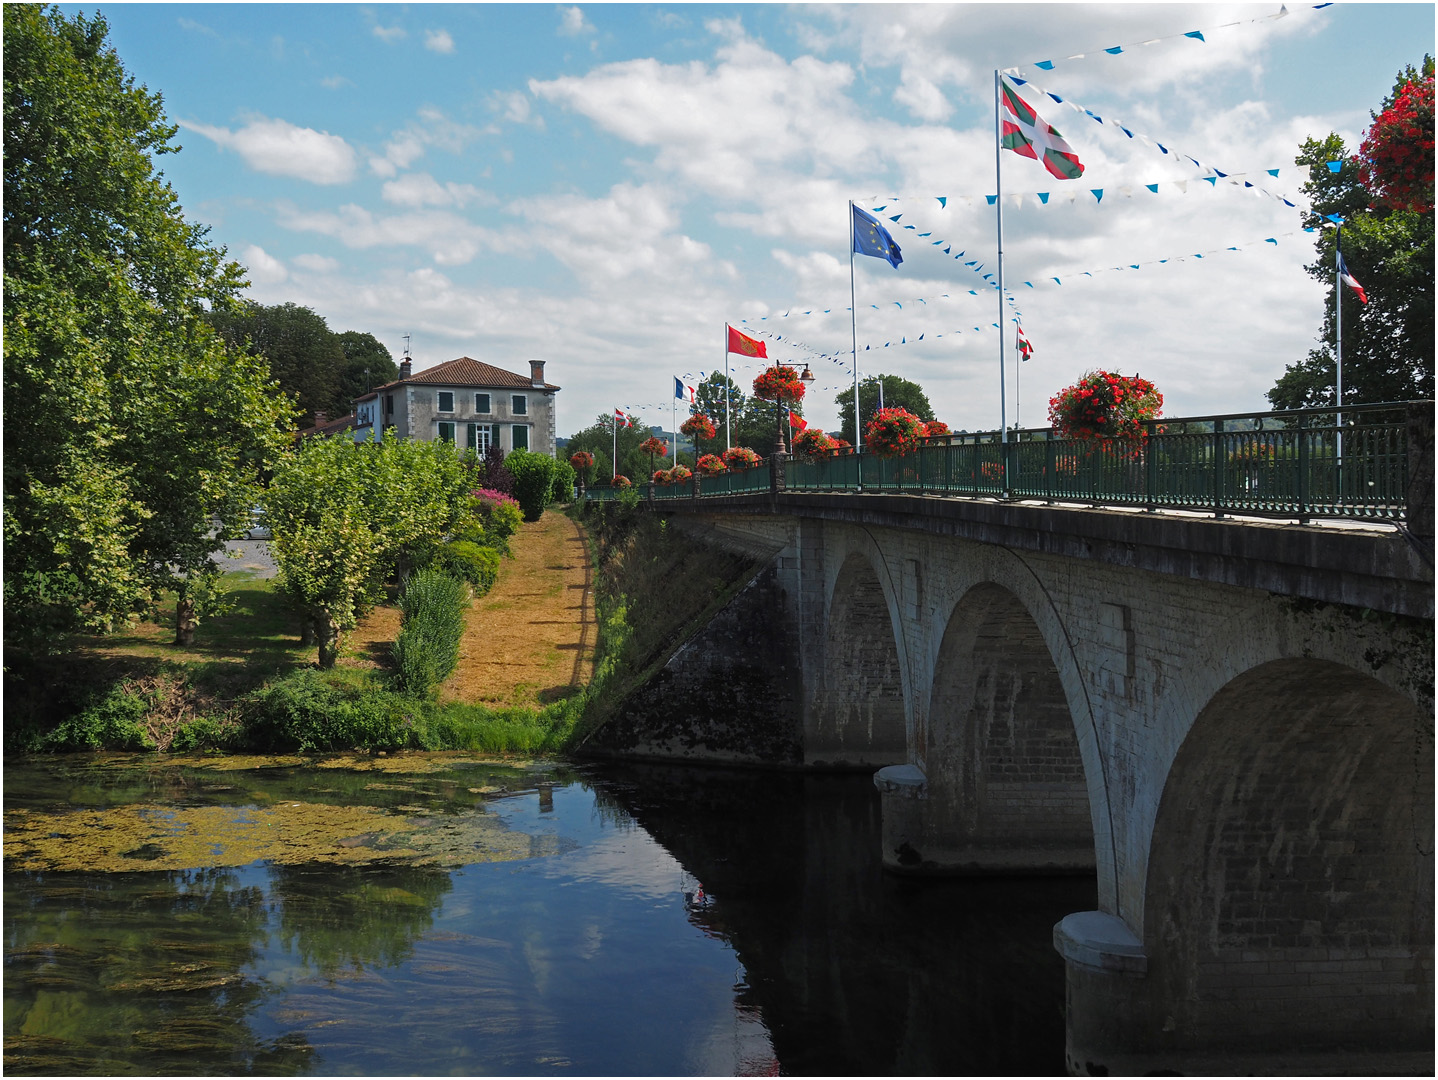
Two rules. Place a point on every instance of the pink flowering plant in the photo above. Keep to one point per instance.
(893, 432)
(494, 518)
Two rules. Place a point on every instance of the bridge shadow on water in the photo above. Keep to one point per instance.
(856, 971)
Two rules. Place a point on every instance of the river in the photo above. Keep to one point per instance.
(435, 915)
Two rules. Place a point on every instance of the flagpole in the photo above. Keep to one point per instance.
(728, 442)
(614, 454)
(854, 333)
(999, 236)
(1338, 312)
(1018, 362)
(674, 427)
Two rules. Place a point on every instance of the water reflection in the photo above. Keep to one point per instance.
(615, 921)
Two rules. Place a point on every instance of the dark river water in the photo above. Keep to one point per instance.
(434, 916)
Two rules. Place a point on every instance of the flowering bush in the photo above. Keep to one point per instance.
(779, 383)
(741, 457)
(710, 465)
(893, 432)
(935, 427)
(1395, 160)
(679, 474)
(811, 443)
(1105, 408)
(699, 426)
(621, 481)
(496, 519)
(654, 445)
(581, 460)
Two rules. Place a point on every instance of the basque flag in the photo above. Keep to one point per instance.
(620, 419)
(1350, 280)
(746, 346)
(1026, 133)
(1025, 349)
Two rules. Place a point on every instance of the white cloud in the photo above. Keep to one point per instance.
(438, 41)
(572, 22)
(514, 106)
(449, 239)
(319, 264)
(390, 34)
(279, 148)
(264, 268)
(334, 82)
(198, 28)
(422, 189)
(407, 145)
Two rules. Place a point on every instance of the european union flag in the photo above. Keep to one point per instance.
(871, 238)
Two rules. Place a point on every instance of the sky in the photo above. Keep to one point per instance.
(605, 187)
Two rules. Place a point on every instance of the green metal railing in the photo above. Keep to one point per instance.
(1298, 464)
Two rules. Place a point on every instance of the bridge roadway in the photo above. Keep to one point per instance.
(1229, 722)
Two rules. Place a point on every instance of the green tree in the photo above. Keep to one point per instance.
(346, 516)
(533, 480)
(599, 439)
(1387, 342)
(129, 426)
(367, 364)
(304, 355)
(897, 393)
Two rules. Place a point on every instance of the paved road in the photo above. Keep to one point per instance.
(254, 556)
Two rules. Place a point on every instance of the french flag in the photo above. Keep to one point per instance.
(1351, 281)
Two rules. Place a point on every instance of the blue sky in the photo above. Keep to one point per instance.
(605, 186)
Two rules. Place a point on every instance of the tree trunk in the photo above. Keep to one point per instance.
(307, 630)
(185, 621)
(329, 640)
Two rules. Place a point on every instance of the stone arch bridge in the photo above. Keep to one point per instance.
(1230, 723)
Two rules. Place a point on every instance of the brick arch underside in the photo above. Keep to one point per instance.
(1003, 764)
(1290, 885)
(861, 716)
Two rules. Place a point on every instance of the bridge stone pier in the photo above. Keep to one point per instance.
(1229, 723)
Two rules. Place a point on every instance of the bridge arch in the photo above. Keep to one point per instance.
(1006, 778)
(1289, 894)
(861, 714)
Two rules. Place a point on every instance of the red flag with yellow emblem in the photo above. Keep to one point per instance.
(745, 345)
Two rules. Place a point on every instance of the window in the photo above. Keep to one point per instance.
(481, 404)
(519, 436)
(446, 432)
(480, 438)
(519, 405)
(446, 401)
(389, 404)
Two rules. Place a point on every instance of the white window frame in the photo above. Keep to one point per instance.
(439, 401)
(515, 429)
(481, 438)
(482, 404)
(519, 404)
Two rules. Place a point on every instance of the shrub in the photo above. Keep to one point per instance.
(427, 648)
(112, 722)
(310, 711)
(533, 481)
(494, 519)
(471, 562)
(562, 487)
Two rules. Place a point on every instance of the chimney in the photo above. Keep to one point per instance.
(536, 373)
(406, 369)
(320, 417)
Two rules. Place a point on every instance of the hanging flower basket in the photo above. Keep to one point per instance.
(936, 427)
(581, 460)
(621, 482)
(710, 465)
(843, 446)
(741, 457)
(893, 432)
(1395, 160)
(699, 426)
(654, 445)
(812, 443)
(661, 476)
(679, 474)
(1105, 409)
(779, 383)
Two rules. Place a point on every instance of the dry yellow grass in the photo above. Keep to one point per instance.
(531, 640)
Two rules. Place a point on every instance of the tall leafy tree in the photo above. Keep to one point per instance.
(901, 393)
(346, 516)
(1387, 342)
(367, 364)
(599, 439)
(129, 426)
(304, 354)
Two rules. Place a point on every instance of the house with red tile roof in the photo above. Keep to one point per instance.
(464, 402)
